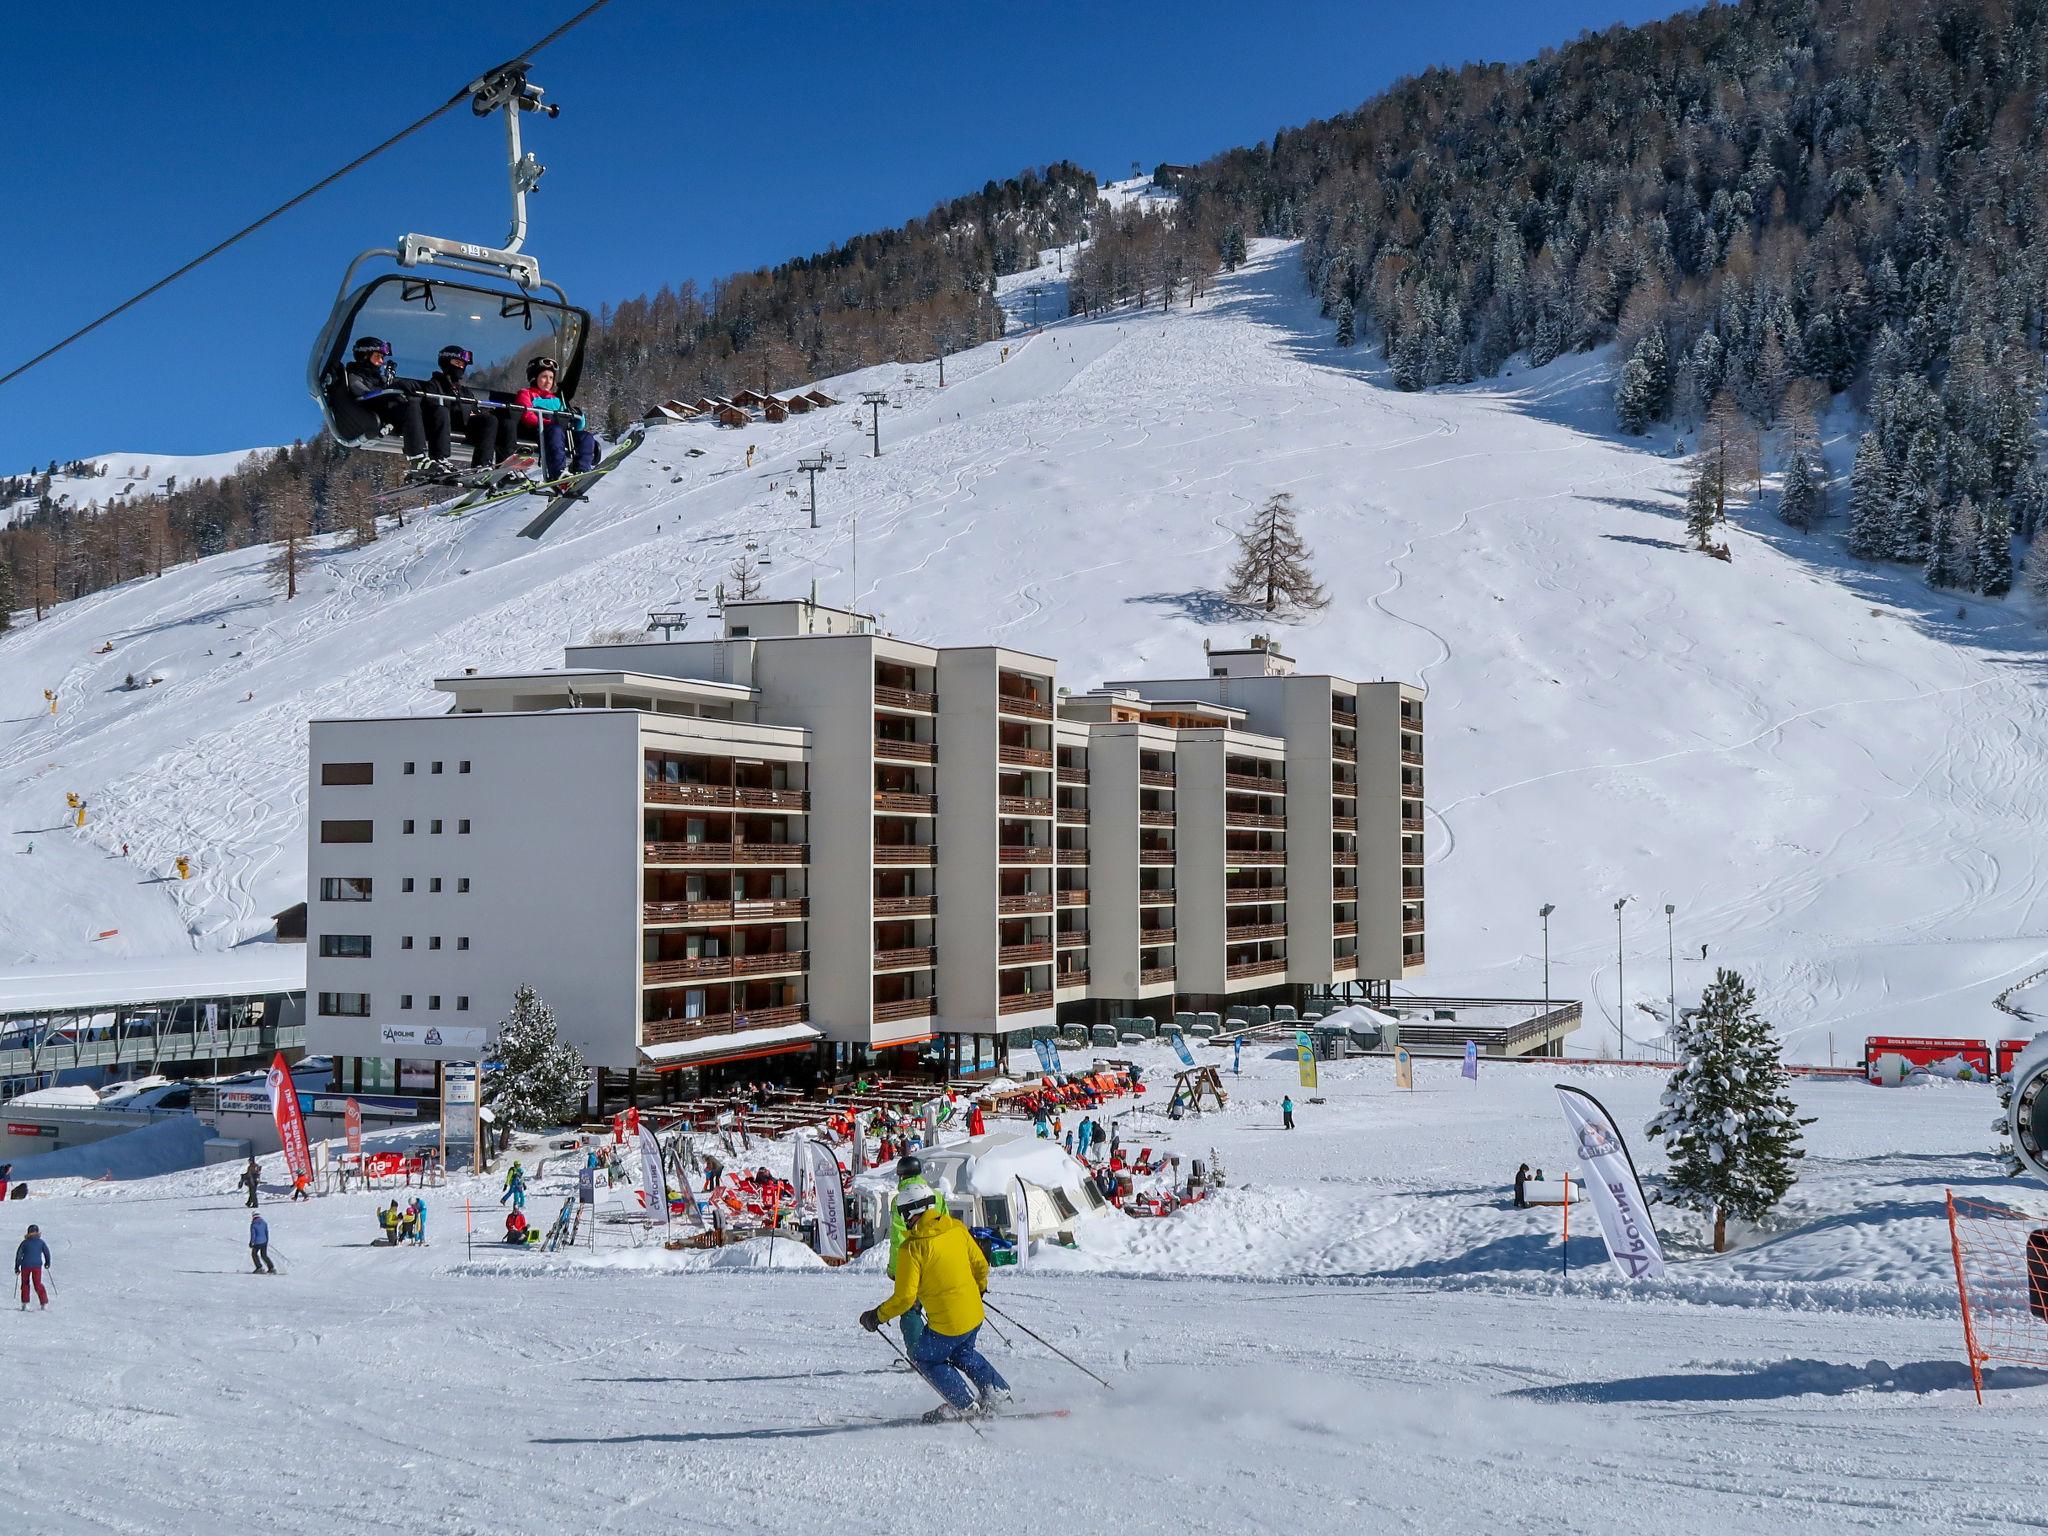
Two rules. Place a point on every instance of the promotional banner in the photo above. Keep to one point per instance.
(653, 1182)
(1611, 1182)
(1020, 1213)
(213, 1022)
(1471, 1067)
(1404, 1068)
(1044, 1050)
(352, 1127)
(284, 1109)
(1180, 1046)
(1305, 1050)
(831, 1198)
(1237, 1057)
(1053, 1051)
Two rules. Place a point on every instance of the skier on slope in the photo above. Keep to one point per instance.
(943, 1270)
(1287, 1112)
(910, 1188)
(514, 1187)
(31, 1258)
(259, 1246)
(547, 412)
(251, 1175)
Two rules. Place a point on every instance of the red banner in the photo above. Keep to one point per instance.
(352, 1124)
(284, 1109)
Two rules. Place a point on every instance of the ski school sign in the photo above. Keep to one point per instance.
(1611, 1183)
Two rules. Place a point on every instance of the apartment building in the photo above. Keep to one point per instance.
(809, 836)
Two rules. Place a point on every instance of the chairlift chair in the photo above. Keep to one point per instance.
(501, 310)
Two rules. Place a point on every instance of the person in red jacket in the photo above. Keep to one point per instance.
(547, 415)
(975, 1125)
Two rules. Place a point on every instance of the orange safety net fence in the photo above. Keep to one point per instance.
(2002, 1282)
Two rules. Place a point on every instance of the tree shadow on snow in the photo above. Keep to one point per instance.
(1784, 1379)
(1201, 605)
(1632, 538)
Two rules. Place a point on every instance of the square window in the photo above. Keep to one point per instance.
(405, 999)
(462, 886)
(433, 885)
(408, 767)
(462, 1005)
(434, 941)
(408, 826)
(405, 885)
(434, 826)
(437, 767)
(434, 1002)
(462, 826)
(405, 942)
(462, 942)
(463, 766)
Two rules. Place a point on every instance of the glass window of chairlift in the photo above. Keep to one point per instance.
(416, 317)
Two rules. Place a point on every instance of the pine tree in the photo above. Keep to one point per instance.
(1347, 323)
(1548, 340)
(1872, 489)
(1272, 566)
(1645, 381)
(1705, 502)
(2034, 570)
(745, 578)
(6, 596)
(1732, 1129)
(1949, 528)
(1799, 499)
(355, 511)
(290, 526)
(1991, 558)
(540, 1081)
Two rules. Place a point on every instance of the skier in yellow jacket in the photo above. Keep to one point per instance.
(943, 1270)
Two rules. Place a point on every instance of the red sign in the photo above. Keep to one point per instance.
(1926, 1051)
(291, 1126)
(2008, 1053)
(352, 1123)
(16, 1128)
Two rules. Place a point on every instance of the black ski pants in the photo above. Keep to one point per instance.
(259, 1256)
(375, 418)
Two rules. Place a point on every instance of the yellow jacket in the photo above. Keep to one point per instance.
(942, 1268)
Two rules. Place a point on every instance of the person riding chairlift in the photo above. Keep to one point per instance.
(370, 400)
(488, 432)
(547, 413)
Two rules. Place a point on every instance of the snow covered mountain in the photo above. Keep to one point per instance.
(1823, 766)
(124, 476)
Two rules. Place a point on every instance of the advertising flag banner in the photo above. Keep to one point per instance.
(1404, 1068)
(1052, 1049)
(1305, 1051)
(1237, 1057)
(213, 1021)
(1044, 1050)
(284, 1109)
(831, 1198)
(1612, 1185)
(1180, 1046)
(653, 1182)
(1020, 1214)
(1471, 1067)
(352, 1127)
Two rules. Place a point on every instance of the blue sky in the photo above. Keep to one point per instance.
(693, 141)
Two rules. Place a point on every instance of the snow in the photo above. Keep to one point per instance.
(130, 475)
(1358, 1333)
(739, 1041)
(114, 983)
(1827, 772)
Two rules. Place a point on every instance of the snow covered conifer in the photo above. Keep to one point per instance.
(1732, 1130)
(1871, 493)
(1799, 500)
(1347, 323)
(1272, 566)
(540, 1081)
(1703, 502)
(1991, 559)
(1635, 392)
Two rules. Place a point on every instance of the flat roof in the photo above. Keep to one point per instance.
(595, 676)
(128, 980)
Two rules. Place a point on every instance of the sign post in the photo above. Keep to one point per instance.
(459, 1122)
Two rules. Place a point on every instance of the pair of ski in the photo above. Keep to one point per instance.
(575, 487)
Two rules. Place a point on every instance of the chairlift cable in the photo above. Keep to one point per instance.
(319, 186)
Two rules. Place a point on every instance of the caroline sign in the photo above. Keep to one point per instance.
(1612, 1185)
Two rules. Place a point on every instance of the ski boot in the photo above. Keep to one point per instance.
(946, 1413)
(994, 1400)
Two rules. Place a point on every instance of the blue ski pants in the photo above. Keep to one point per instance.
(949, 1361)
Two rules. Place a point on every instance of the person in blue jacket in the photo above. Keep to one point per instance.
(31, 1258)
(259, 1246)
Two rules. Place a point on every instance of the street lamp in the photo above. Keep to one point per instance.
(1544, 912)
(1671, 962)
(1620, 990)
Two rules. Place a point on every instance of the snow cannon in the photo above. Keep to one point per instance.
(2025, 1121)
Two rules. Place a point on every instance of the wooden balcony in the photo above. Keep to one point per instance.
(905, 699)
(1250, 968)
(1023, 1002)
(771, 853)
(1344, 963)
(1032, 904)
(906, 853)
(771, 962)
(1412, 926)
(1023, 805)
(1071, 938)
(1339, 715)
(1346, 929)
(1156, 974)
(1411, 957)
(903, 1008)
(1344, 823)
(905, 751)
(1344, 858)
(1025, 954)
(1156, 857)
(657, 793)
(1411, 823)
(771, 799)
(677, 1031)
(1243, 857)
(1412, 857)
(1251, 931)
(1073, 815)
(687, 970)
(1024, 757)
(1071, 773)
(1073, 896)
(1068, 980)
(896, 802)
(727, 853)
(774, 910)
(1155, 898)
(906, 959)
(1023, 853)
(1255, 783)
(1157, 778)
(1411, 892)
(1247, 819)
(1239, 895)
(1023, 708)
(1343, 754)
(1413, 759)
(905, 906)
(1155, 938)
(1155, 818)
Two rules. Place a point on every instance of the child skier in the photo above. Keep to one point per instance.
(419, 1221)
(943, 1270)
(544, 409)
(514, 1187)
(31, 1258)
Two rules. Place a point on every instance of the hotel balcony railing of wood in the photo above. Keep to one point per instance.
(1023, 805)
(1071, 938)
(770, 909)
(897, 802)
(1155, 898)
(1413, 925)
(1257, 783)
(1247, 819)
(1071, 979)
(1025, 954)
(763, 963)
(906, 853)
(1348, 929)
(677, 1031)
(906, 959)
(1073, 815)
(1023, 1002)
(903, 1008)
(728, 795)
(1031, 904)
(1250, 931)
(1073, 773)
(1153, 938)
(1411, 957)
(771, 962)
(905, 751)
(688, 970)
(1344, 963)
(1157, 778)
(1411, 786)
(905, 698)
(1412, 857)
(1024, 757)
(1239, 895)
(1344, 823)
(1157, 973)
(1344, 754)
(1344, 858)
(727, 853)
(1244, 856)
(1411, 823)
(1155, 818)
(1073, 895)
(1339, 715)
(906, 906)
(1413, 758)
(1023, 853)
(1155, 856)
(1255, 968)
(1026, 708)
(1411, 890)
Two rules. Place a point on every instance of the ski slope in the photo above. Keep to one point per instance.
(129, 475)
(1827, 769)
(1358, 1333)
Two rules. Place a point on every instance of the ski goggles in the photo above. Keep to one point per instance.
(460, 357)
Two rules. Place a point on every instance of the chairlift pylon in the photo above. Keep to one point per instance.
(503, 315)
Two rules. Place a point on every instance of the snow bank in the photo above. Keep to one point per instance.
(164, 1146)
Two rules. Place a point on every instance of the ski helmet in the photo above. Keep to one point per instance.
(908, 1167)
(913, 1206)
(34, 1230)
(368, 347)
(452, 355)
(539, 366)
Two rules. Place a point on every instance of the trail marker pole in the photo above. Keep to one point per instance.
(1567, 1255)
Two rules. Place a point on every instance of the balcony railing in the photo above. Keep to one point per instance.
(1023, 805)
(906, 853)
(1155, 818)
(1028, 709)
(1152, 938)
(1071, 938)
(897, 802)
(1255, 968)
(1251, 856)
(1157, 973)
(1023, 853)
(727, 853)
(905, 906)
(688, 970)
(1250, 931)
(1344, 823)
(1068, 979)
(1023, 1002)
(1025, 954)
(1073, 773)
(1412, 857)
(1256, 783)
(906, 959)
(1411, 823)
(1073, 895)
(1073, 815)
(1030, 904)
(1157, 778)
(780, 909)
(1411, 957)
(1024, 757)
(1344, 962)
(905, 698)
(903, 1008)
(658, 793)
(905, 751)
(771, 962)
(1412, 925)
(1339, 715)
(1247, 819)
(1344, 858)
(1239, 895)
(1155, 898)
(675, 1031)
(1156, 856)
(1412, 758)
(1344, 754)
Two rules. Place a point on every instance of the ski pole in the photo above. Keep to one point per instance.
(886, 1339)
(991, 1322)
(1048, 1343)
